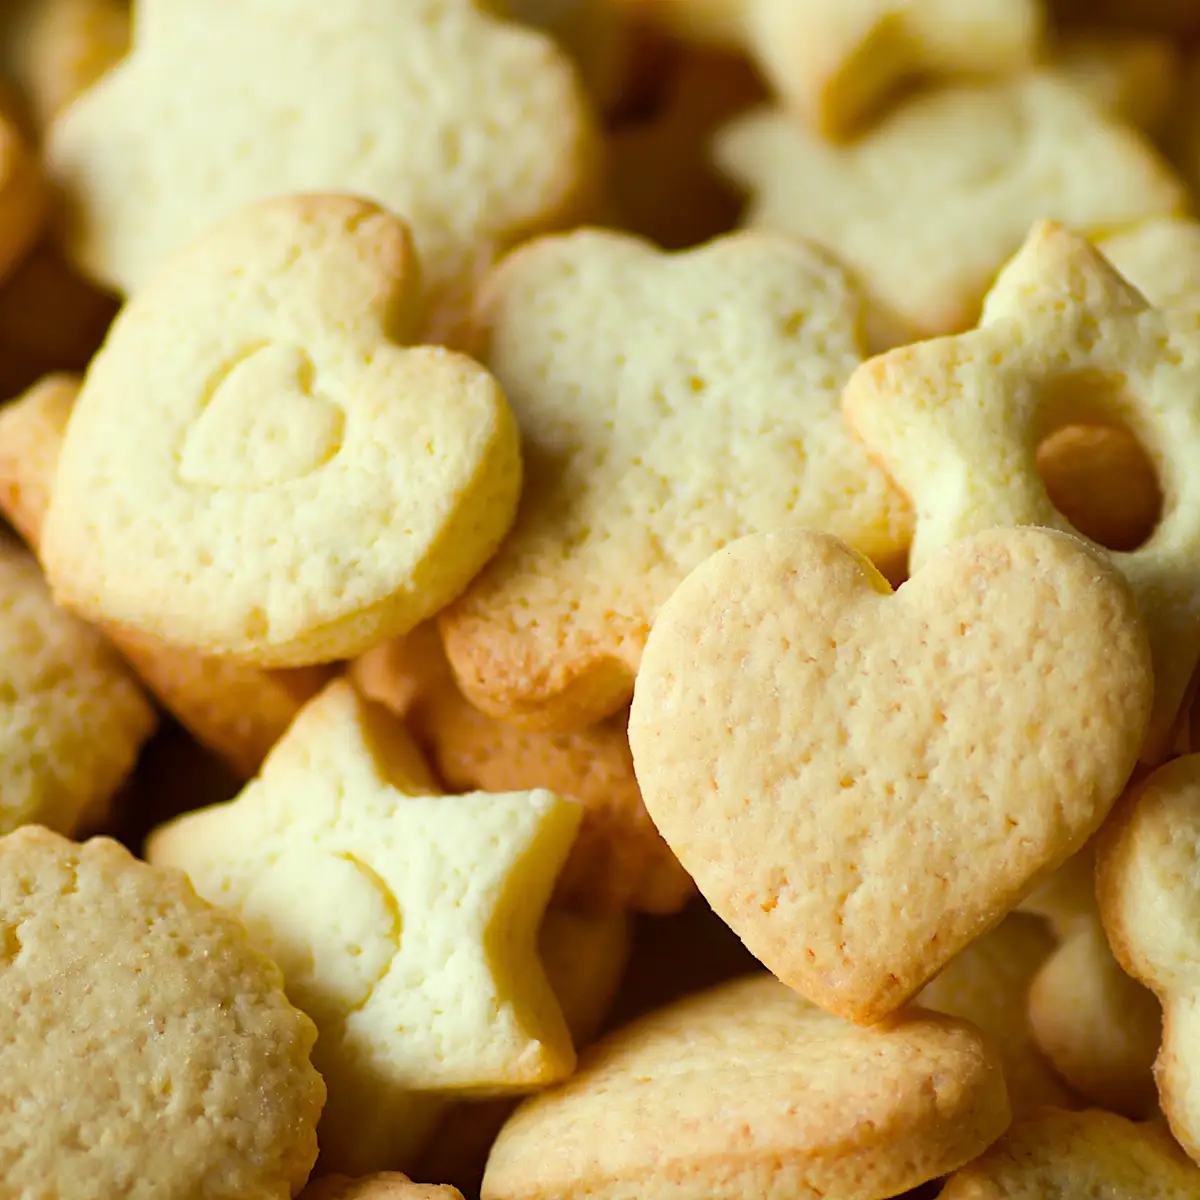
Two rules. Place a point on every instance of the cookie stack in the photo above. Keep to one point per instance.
(602, 599)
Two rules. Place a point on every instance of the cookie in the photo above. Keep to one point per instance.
(147, 1050)
(619, 860)
(390, 1185)
(667, 405)
(1078, 1154)
(748, 1091)
(291, 412)
(1098, 1027)
(474, 129)
(986, 983)
(928, 204)
(238, 712)
(1160, 258)
(813, 746)
(1147, 886)
(424, 977)
(71, 43)
(1064, 340)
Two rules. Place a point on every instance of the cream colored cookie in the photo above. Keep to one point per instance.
(619, 859)
(475, 130)
(1161, 258)
(986, 983)
(301, 482)
(71, 43)
(1078, 1154)
(749, 1091)
(667, 405)
(388, 1186)
(405, 921)
(1064, 340)
(1099, 1028)
(1148, 887)
(147, 1050)
(928, 204)
(813, 746)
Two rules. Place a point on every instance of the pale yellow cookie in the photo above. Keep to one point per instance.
(260, 466)
(668, 404)
(748, 1091)
(475, 130)
(1064, 340)
(814, 747)
(1161, 258)
(390, 1185)
(928, 204)
(405, 921)
(1148, 886)
(1073, 1155)
(146, 1050)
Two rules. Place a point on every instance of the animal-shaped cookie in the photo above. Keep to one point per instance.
(814, 747)
(405, 921)
(147, 1050)
(668, 404)
(1064, 340)
(1148, 887)
(258, 466)
(748, 1090)
(929, 203)
(474, 130)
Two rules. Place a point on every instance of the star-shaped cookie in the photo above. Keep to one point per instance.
(405, 921)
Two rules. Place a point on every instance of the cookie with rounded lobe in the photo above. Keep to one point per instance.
(147, 1049)
(748, 1090)
(668, 404)
(405, 921)
(261, 466)
(619, 860)
(236, 710)
(1148, 888)
(927, 205)
(474, 130)
(1064, 340)
(862, 782)
(1091, 1153)
(389, 1185)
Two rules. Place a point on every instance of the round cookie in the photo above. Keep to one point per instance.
(147, 1051)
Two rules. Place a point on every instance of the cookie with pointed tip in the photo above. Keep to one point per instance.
(390, 1185)
(649, 445)
(1077, 1154)
(423, 978)
(1148, 887)
(474, 129)
(748, 1091)
(929, 203)
(1064, 340)
(813, 745)
(303, 481)
(148, 1050)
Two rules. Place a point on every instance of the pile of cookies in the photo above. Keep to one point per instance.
(602, 599)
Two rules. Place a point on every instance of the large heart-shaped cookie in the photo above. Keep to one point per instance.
(861, 783)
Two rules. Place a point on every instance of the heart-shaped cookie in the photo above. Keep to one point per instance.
(861, 783)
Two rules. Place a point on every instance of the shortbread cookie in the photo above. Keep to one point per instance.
(1148, 887)
(423, 977)
(813, 746)
(1097, 1026)
(619, 859)
(238, 712)
(388, 1186)
(667, 405)
(302, 483)
(1064, 340)
(749, 1091)
(1161, 258)
(71, 44)
(476, 131)
(987, 983)
(1077, 1154)
(146, 1051)
(927, 205)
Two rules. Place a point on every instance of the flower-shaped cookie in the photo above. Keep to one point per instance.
(1063, 341)
(668, 404)
(473, 130)
(405, 921)
(257, 466)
